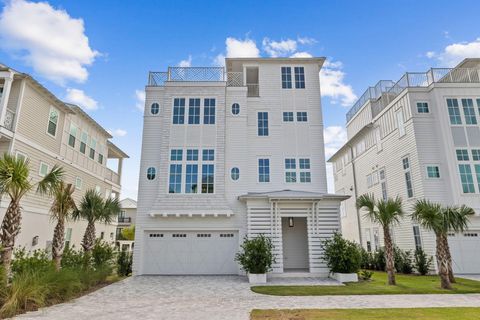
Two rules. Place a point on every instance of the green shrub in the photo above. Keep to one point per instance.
(367, 259)
(72, 258)
(403, 260)
(341, 255)
(124, 263)
(30, 261)
(256, 255)
(379, 262)
(102, 254)
(423, 263)
(365, 275)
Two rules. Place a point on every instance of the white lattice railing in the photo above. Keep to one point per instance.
(235, 79)
(9, 119)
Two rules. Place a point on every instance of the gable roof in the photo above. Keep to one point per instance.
(128, 203)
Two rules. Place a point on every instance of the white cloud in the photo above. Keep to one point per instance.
(78, 97)
(301, 54)
(49, 40)
(334, 138)
(333, 86)
(306, 40)
(456, 52)
(237, 48)
(186, 62)
(279, 48)
(117, 132)
(140, 99)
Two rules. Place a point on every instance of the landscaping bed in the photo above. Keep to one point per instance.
(406, 284)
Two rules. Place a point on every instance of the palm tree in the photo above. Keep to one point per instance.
(15, 182)
(386, 213)
(94, 208)
(432, 216)
(63, 207)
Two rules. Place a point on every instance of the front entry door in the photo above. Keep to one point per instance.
(295, 244)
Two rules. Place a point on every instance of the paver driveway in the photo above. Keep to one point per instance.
(215, 297)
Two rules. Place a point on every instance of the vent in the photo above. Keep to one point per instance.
(156, 235)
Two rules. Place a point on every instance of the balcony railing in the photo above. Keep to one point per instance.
(124, 220)
(112, 176)
(156, 79)
(235, 79)
(9, 119)
(186, 74)
(253, 90)
(385, 93)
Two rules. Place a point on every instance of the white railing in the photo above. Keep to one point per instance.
(253, 90)
(112, 176)
(9, 119)
(235, 79)
(156, 79)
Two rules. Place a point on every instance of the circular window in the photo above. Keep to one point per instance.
(155, 108)
(235, 108)
(235, 174)
(151, 173)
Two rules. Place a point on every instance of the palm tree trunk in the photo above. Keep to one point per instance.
(10, 229)
(58, 243)
(389, 256)
(448, 257)
(442, 262)
(89, 237)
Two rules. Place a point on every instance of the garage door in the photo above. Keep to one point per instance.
(465, 249)
(192, 252)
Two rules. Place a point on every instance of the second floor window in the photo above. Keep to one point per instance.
(194, 111)
(304, 165)
(175, 179)
(290, 170)
(262, 123)
(209, 111)
(178, 111)
(52, 121)
(83, 142)
(191, 178)
(286, 78)
(208, 177)
(72, 136)
(299, 78)
(469, 111)
(100, 154)
(263, 170)
(93, 146)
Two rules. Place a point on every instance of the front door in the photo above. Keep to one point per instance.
(295, 244)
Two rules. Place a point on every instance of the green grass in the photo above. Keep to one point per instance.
(406, 284)
(370, 314)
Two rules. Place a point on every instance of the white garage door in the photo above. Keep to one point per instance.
(465, 249)
(192, 252)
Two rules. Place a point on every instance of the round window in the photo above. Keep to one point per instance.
(155, 108)
(235, 174)
(235, 108)
(151, 173)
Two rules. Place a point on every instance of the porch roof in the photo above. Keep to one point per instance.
(292, 195)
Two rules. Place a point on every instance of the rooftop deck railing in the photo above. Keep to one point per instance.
(182, 74)
(385, 93)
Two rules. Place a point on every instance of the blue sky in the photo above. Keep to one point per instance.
(98, 54)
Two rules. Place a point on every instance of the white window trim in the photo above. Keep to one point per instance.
(48, 122)
(77, 129)
(235, 181)
(19, 153)
(400, 122)
(433, 165)
(423, 113)
(257, 173)
(77, 179)
(40, 169)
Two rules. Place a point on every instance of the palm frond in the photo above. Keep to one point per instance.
(63, 205)
(457, 218)
(49, 183)
(429, 215)
(111, 209)
(14, 176)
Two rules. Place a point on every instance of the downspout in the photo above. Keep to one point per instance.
(356, 195)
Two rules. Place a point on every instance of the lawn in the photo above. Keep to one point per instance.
(370, 314)
(406, 284)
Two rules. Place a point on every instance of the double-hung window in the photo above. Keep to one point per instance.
(302, 116)
(262, 123)
(175, 178)
(100, 154)
(286, 78)
(209, 111)
(179, 111)
(417, 237)
(408, 176)
(469, 111)
(83, 142)
(288, 116)
(191, 178)
(194, 111)
(52, 121)
(93, 146)
(299, 78)
(466, 178)
(73, 135)
(383, 184)
(454, 111)
(304, 165)
(290, 170)
(263, 170)
(208, 171)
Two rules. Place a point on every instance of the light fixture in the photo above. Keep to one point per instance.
(290, 222)
(34, 241)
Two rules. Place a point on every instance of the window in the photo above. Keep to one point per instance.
(192, 155)
(288, 116)
(208, 155)
(469, 111)
(151, 173)
(98, 189)
(179, 111)
(477, 172)
(383, 184)
(83, 142)
(462, 155)
(400, 123)
(235, 174)
(73, 135)
(408, 176)
(100, 154)
(417, 238)
(194, 111)
(378, 139)
(286, 78)
(78, 183)
(454, 111)
(235, 109)
(263, 170)
(176, 154)
(93, 145)
(154, 108)
(52, 121)
(175, 179)
(207, 178)
(478, 105)
(209, 111)
(422, 107)
(191, 178)
(376, 238)
(43, 169)
(476, 154)
(290, 170)
(21, 156)
(466, 178)
(263, 123)
(299, 78)
(302, 116)
(368, 240)
(433, 172)
(68, 237)
(305, 175)
(369, 181)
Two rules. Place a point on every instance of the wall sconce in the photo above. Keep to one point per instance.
(290, 222)
(34, 241)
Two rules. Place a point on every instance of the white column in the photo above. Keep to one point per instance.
(119, 170)
(6, 93)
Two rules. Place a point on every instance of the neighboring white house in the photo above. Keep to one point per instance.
(126, 219)
(416, 138)
(36, 125)
(228, 154)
